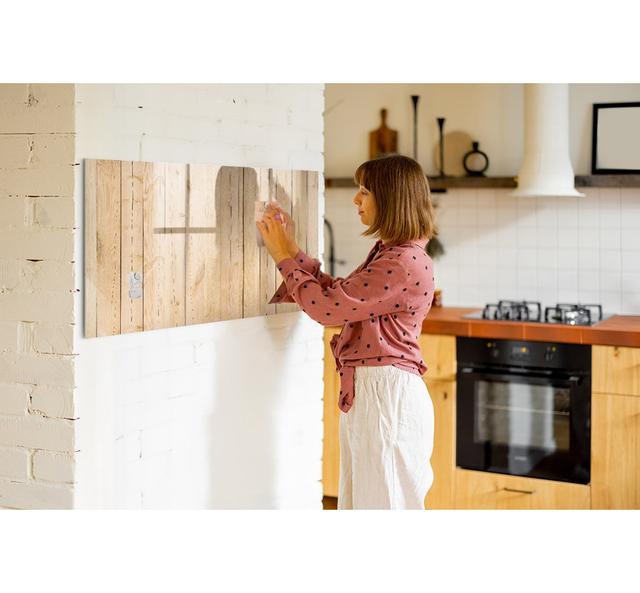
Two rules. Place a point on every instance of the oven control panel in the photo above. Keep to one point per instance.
(524, 353)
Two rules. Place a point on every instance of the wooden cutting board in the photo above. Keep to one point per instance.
(384, 140)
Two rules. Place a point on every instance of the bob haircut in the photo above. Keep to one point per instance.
(401, 192)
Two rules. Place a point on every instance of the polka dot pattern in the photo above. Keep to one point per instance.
(392, 290)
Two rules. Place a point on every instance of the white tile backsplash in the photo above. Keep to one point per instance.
(549, 249)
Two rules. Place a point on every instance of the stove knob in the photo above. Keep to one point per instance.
(549, 353)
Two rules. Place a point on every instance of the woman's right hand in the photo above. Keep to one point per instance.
(289, 227)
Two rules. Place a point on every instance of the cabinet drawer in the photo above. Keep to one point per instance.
(616, 369)
(484, 490)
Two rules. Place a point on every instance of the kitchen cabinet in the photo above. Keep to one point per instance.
(331, 417)
(443, 458)
(615, 451)
(615, 428)
(615, 439)
(485, 490)
(615, 370)
(439, 353)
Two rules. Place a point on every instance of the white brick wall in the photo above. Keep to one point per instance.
(180, 418)
(36, 294)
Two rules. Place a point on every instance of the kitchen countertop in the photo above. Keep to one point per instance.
(617, 330)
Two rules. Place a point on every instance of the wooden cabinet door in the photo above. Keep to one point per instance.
(439, 354)
(330, 443)
(443, 458)
(616, 370)
(615, 451)
(485, 490)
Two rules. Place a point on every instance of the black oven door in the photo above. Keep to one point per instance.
(528, 423)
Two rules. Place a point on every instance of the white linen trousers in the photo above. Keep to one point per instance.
(386, 441)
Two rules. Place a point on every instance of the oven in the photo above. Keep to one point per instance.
(524, 408)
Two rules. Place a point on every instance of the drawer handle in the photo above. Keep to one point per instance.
(517, 490)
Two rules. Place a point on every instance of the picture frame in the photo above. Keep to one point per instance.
(615, 147)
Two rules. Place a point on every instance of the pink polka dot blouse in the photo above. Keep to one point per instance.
(381, 306)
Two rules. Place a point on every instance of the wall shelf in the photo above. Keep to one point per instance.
(439, 184)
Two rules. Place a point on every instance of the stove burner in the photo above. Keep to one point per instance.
(573, 314)
(513, 310)
(566, 313)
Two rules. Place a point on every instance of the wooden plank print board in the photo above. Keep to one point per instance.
(171, 244)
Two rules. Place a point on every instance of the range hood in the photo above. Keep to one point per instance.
(546, 169)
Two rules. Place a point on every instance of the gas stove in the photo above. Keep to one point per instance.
(564, 313)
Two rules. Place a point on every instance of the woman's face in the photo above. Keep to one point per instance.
(366, 205)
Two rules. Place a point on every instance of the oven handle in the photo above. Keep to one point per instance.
(518, 490)
(573, 379)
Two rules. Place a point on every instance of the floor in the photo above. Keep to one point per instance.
(329, 503)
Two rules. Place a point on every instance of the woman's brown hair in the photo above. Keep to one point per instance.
(404, 211)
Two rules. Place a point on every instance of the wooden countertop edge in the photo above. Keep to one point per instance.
(450, 321)
(618, 330)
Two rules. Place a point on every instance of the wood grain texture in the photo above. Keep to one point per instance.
(284, 195)
(439, 354)
(131, 309)
(174, 243)
(615, 451)
(203, 256)
(189, 229)
(253, 182)
(90, 248)
(270, 278)
(229, 201)
(616, 369)
(108, 247)
(486, 490)
(155, 276)
(331, 419)
(313, 228)
(443, 457)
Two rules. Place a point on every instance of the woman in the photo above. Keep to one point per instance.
(386, 430)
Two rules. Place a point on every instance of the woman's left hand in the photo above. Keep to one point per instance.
(274, 235)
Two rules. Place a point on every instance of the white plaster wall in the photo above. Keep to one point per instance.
(218, 415)
(548, 249)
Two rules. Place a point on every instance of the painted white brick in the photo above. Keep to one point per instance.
(315, 350)
(15, 150)
(53, 467)
(35, 495)
(9, 274)
(36, 432)
(44, 306)
(55, 370)
(14, 463)
(53, 212)
(34, 243)
(45, 180)
(154, 359)
(8, 335)
(52, 149)
(52, 339)
(54, 402)
(13, 212)
(35, 150)
(37, 108)
(47, 275)
(25, 337)
(171, 404)
(14, 399)
(48, 369)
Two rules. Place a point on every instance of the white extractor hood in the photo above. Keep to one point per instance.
(546, 169)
